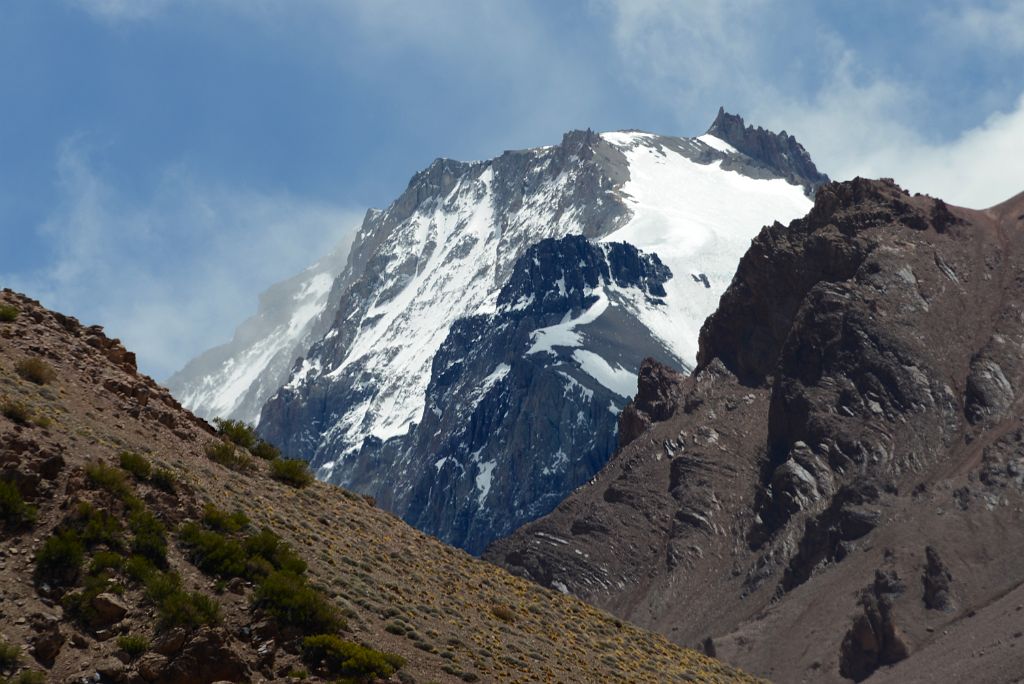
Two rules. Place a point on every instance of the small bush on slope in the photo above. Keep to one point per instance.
(266, 451)
(163, 480)
(14, 512)
(134, 463)
(59, 560)
(291, 471)
(150, 540)
(10, 656)
(36, 370)
(133, 644)
(112, 480)
(236, 431)
(289, 598)
(347, 659)
(228, 456)
(16, 411)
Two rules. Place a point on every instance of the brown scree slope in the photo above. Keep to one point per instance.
(450, 616)
(836, 492)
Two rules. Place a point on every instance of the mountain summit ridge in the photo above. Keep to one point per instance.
(779, 151)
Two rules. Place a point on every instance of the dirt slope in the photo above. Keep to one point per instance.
(449, 616)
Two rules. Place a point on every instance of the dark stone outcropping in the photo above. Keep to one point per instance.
(937, 581)
(778, 151)
(655, 400)
(874, 639)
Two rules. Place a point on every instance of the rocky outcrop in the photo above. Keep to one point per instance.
(855, 394)
(937, 581)
(108, 609)
(874, 639)
(655, 400)
(780, 152)
(206, 657)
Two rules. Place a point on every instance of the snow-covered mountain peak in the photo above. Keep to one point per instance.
(236, 378)
(418, 306)
(445, 247)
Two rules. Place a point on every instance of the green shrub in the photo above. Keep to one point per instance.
(8, 314)
(150, 537)
(266, 451)
(16, 412)
(291, 471)
(212, 552)
(14, 512)
(164, 480)
(267, 545)
(287, 596)
(222, 521)
(349, 659)
(35, 370)
(105, 560)
(187, 609)
(10, 656)
(42, 421)
(158, 585)
(175, 606)
(59, 560)
(228, 456)
(28, 677)
(254, 557)
(95, 526)
(102, 476)
(139, 569)
(242, 434)
(134, 463)
(133, 644)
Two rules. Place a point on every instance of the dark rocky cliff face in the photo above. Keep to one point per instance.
(854, 421)
(506, 431)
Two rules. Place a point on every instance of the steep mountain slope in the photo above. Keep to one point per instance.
(74, 405)
(498, 393)
(234, 380)
(838, 487)
(422, 270)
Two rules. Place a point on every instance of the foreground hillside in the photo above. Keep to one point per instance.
(837, 492)
(138, 546)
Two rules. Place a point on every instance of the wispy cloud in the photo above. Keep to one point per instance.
(998, 27)
(171, 274)
(786, 68)
(121, 10)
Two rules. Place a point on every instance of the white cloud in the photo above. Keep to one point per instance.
(174, 273)
(997, 28)
(856, 131)
(807, 80)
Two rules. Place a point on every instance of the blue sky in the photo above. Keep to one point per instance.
(163, 161)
